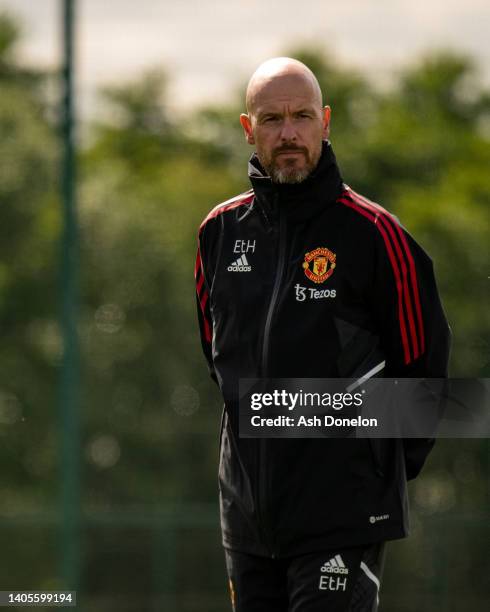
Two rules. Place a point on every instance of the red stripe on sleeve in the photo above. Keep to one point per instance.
(200, 283)
(208, 336)
(197, 267)
(413, 272)
(372, 217)
(413, 275)
(240, 200)
(244, 198)
(199, 276)
(207, 331)
(388, 222)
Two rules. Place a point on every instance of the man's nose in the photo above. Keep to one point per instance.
(288, 131)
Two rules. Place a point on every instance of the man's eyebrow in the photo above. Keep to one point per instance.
(305, 109)
(301, 109)
(268, 112)
(264, 114)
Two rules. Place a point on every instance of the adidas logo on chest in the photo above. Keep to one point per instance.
(240, 265)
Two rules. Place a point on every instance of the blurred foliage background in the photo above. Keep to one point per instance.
(150, 531)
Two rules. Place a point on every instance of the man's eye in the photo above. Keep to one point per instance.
(270, 119)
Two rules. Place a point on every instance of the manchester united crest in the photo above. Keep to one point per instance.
(319, 264)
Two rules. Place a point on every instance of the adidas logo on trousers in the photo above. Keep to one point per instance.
(335, 566)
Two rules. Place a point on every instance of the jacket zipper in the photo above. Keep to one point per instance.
(262, 459)
(275, 292)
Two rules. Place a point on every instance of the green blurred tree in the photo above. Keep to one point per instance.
(146, 186)
(28, 234)
(30, 347)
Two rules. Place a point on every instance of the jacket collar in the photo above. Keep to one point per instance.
(301, 200)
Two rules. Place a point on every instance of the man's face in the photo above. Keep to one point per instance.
(287, 125)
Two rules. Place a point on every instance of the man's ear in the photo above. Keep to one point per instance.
(326, 121)
(247, 128)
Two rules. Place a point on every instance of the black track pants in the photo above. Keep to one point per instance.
(337, 580)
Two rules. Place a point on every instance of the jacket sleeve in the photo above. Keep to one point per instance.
(414, 332)
(204, 313)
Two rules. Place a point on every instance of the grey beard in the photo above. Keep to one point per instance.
(288, 176)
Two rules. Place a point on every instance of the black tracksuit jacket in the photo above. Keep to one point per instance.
(313, 280)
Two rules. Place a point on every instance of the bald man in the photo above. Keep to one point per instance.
(302, 277)
(291, 153)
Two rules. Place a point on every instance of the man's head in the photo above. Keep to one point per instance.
(286, 121)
